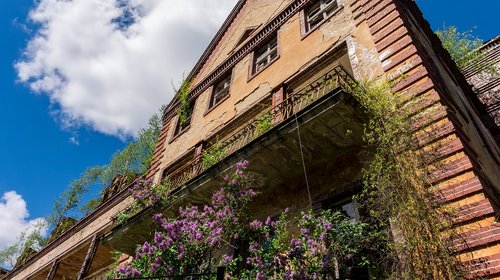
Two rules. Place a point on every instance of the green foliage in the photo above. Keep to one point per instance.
(90, 206)
(134, 159)
(397, 190)
(145, 195)
(30, 239)
(264, 123)
(326, 244)
(62, 227)
(71, 198)
(462, 46)
(111, 274)
(184, 110)
(213, 155)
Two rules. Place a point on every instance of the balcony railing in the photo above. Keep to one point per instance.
(263, 122)
(182, 175)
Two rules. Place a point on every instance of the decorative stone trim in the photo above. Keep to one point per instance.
(226, 66)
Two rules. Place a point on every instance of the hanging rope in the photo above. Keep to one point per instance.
(303, 162)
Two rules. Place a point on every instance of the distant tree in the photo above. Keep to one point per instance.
(134, 159)
(462, 46)
(28, 241)
(465, 50)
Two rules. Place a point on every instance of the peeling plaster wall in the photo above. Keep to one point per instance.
(295, 51)
(255, 13)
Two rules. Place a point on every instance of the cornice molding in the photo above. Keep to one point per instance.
(226, 66)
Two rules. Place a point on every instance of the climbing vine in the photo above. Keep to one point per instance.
(397, 188)
(184, 110)
(213, 154)
(264, 123)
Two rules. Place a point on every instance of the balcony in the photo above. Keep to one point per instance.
(256, 121)
(317, 128)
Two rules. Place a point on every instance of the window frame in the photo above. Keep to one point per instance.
(253, 71)
(178, 130)
(326, 13)
(211, 104)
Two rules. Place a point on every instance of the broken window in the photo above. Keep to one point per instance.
(184, 123)
(221, 91)
(265, 55)
(318, 12)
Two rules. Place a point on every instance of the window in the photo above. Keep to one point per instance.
(347, 206)
(318, 12)
(265, 55)
(182, 126)
(220, 91)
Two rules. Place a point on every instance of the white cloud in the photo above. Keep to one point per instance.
(14, 219)
(109, 64)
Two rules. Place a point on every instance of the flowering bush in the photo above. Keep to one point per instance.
(202, 238)
(145, 194)
(190, 243)
(324, 248)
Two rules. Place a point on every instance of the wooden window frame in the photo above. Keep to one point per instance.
(212, 103)
(326, 11)
(268, 51)
(178, 129)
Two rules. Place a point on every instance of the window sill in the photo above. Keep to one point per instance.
(210, 109)
(305, 33)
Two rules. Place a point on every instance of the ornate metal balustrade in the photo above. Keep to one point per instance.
(188, 171)
(264, 121)
(293, 103)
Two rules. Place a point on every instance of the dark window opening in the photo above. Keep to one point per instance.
(182, 126)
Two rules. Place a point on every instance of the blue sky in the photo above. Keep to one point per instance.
(44, 144)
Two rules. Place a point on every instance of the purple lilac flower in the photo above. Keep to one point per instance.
(135, 272)
(242, 164)
(256, 225)
(182, 252)
(157, 218)
(227, 259)
(260, 276)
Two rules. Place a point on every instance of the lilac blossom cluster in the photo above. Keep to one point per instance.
(188, 243)
(325, 246)
(317, 247)
(144, 193)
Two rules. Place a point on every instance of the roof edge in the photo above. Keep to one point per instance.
(213, 44)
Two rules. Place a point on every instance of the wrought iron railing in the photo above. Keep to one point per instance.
(264, 121)
(294, 103)
(185, 173)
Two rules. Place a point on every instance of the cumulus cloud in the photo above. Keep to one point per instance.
(109, 64)
(14, 219)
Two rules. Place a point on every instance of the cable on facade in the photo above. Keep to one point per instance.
(303, 162)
